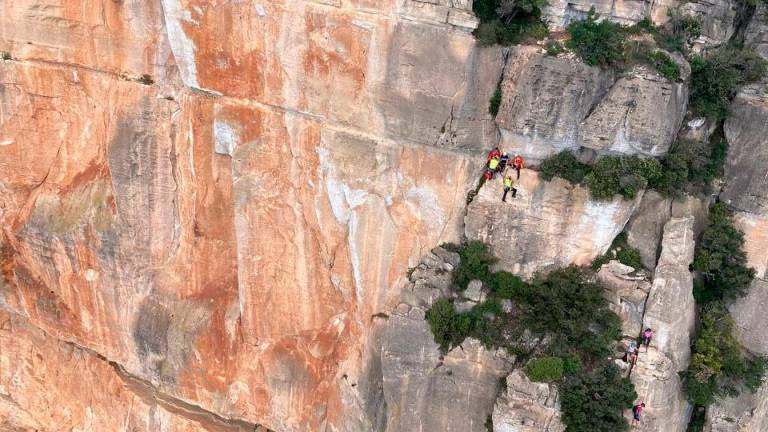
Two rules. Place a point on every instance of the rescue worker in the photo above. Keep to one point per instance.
(495, 153)
(493, 165)
(508, 187)
(503, 160)
(517, 164)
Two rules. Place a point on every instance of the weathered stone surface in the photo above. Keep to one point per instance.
(548, 224)
(157, 232)
(756, 34)
(560, 13)
(670, 311)
(746, 128)
(755, 228)
(749, 314)
(425, 391)
(717, 19)
(746, 413)
(640, 114)
(526, 406)
(50, 385)
(545, 99)
(626, 297)
(645, 227)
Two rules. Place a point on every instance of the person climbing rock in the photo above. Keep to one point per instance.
(493, 165)
(647, 336)
(488, 175)
(503, 161)
(507, 187)
(517, 164)
(631, 356)
(636, 411)
(495, 153)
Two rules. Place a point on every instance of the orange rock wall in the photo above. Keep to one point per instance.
(221, 236)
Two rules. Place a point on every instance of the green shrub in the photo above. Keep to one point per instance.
(597, 43)
(691, 165)
(664, 65)
(495, 103)
(450, 328)
(572, 364)
(718, 368)
(570, 308)
(506, 285)
(554, 48)
(720, 258)
(715, 79)
(507, 22)
(475, 264)
(622, 175)
(564, 165)
(595, 401)
(489, 423)
(621, 251)
(544, 369)
(676, 33)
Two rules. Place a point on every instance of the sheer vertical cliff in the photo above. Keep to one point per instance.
(222, 215)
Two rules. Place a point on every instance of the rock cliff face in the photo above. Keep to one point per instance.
(551, 104)
(548, 225)
(224, 228)
(209, 210)
(670, 311)
(560, 13)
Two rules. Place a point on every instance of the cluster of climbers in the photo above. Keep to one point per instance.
(498, 162)
(631, 357)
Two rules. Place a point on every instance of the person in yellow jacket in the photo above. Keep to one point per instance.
(508, 182)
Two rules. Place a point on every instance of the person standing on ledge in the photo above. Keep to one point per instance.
(507, 187)
(517, 164)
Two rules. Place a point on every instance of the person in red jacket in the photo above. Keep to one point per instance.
(636, 411)
(495, 153)
(517, 164)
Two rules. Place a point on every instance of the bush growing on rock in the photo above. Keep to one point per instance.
(564, 165)
(544, 369)
(718, 368)
(569, 308)
(622, 175)
(597, 42)
(621, 251)
(691, 165)
(715, 79)
(507, 286)
(595, 401)
(475, 263)
(720, 258)
(664, 65)
(508, 22)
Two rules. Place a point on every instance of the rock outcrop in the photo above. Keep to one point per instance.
(422, 388)
(640, 114)
(670, 311)
(560, 13)
(717, 19)
(756, 34)
(544, 101)
(526, 406)
(626, 293)
(645, 227)
(548, 225)
(550, 104)
(746, 185)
